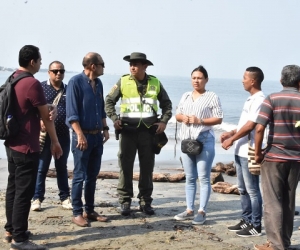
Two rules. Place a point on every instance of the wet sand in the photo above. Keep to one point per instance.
(53, 227)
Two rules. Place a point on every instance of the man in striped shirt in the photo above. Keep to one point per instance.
(280, 168)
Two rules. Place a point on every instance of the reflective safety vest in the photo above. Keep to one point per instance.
(135, 106)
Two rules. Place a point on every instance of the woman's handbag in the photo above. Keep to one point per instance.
(191, 147)
(43, 134)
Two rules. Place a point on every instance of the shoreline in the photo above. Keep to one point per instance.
(164, 162)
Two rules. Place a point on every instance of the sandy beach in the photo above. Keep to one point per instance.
(53, 227)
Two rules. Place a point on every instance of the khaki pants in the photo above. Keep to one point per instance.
(279, 182)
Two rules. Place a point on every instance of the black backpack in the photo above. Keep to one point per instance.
(9, 125)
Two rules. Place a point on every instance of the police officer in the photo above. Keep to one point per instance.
(138, 123)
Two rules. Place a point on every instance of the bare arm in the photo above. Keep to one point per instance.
(105, 132)
(205, 121)
(82, 142)
(245, 130)
(226, 135)
(49, 124)
(259, 135)
(195, 120)
(182, 118)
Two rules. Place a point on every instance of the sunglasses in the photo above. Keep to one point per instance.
(102, 64)
(55, 71)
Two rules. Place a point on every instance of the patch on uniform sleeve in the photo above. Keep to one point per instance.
(113, 89)
(152, 88)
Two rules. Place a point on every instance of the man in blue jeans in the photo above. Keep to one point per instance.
(248, 184)
(55, 90)
(87, 118)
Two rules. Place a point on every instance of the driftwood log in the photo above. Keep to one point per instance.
(225, 188)
(216, 177)
(157, 177)
(228, 168)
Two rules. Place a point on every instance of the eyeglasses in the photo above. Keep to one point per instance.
(102, 64)
(55, 71)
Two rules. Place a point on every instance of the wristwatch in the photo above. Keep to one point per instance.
(105, 128)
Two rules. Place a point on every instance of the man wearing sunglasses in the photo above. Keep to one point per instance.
(87, 118)
(54, 88)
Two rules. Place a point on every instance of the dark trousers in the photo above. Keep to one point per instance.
(140, 141)
(279, 183)
(60, 166)
(22, 170)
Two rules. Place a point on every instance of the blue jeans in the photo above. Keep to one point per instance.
(248, 185)
(60, 166)
(199, 166)
(86, 168)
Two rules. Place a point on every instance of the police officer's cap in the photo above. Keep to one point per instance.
(160, 140)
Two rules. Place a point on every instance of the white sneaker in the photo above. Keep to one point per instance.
(36, 205)
(66, 204)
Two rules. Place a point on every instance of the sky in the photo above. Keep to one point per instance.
(225, 36)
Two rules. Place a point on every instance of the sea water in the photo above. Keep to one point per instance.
(230, 91)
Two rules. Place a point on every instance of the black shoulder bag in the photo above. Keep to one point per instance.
(191, 146)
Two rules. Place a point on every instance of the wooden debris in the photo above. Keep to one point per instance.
(231, 172)
(218, 168)
(228, 168)
(216, 177)
(225, 188)
(158, 177)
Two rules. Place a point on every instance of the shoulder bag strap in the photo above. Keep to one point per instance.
(176, 128)
(58, 96)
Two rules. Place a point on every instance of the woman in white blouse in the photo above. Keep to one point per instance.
(198, 111)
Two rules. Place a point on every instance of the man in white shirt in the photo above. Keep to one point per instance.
(248, 184)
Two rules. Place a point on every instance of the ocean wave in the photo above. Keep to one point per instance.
(218, 129)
